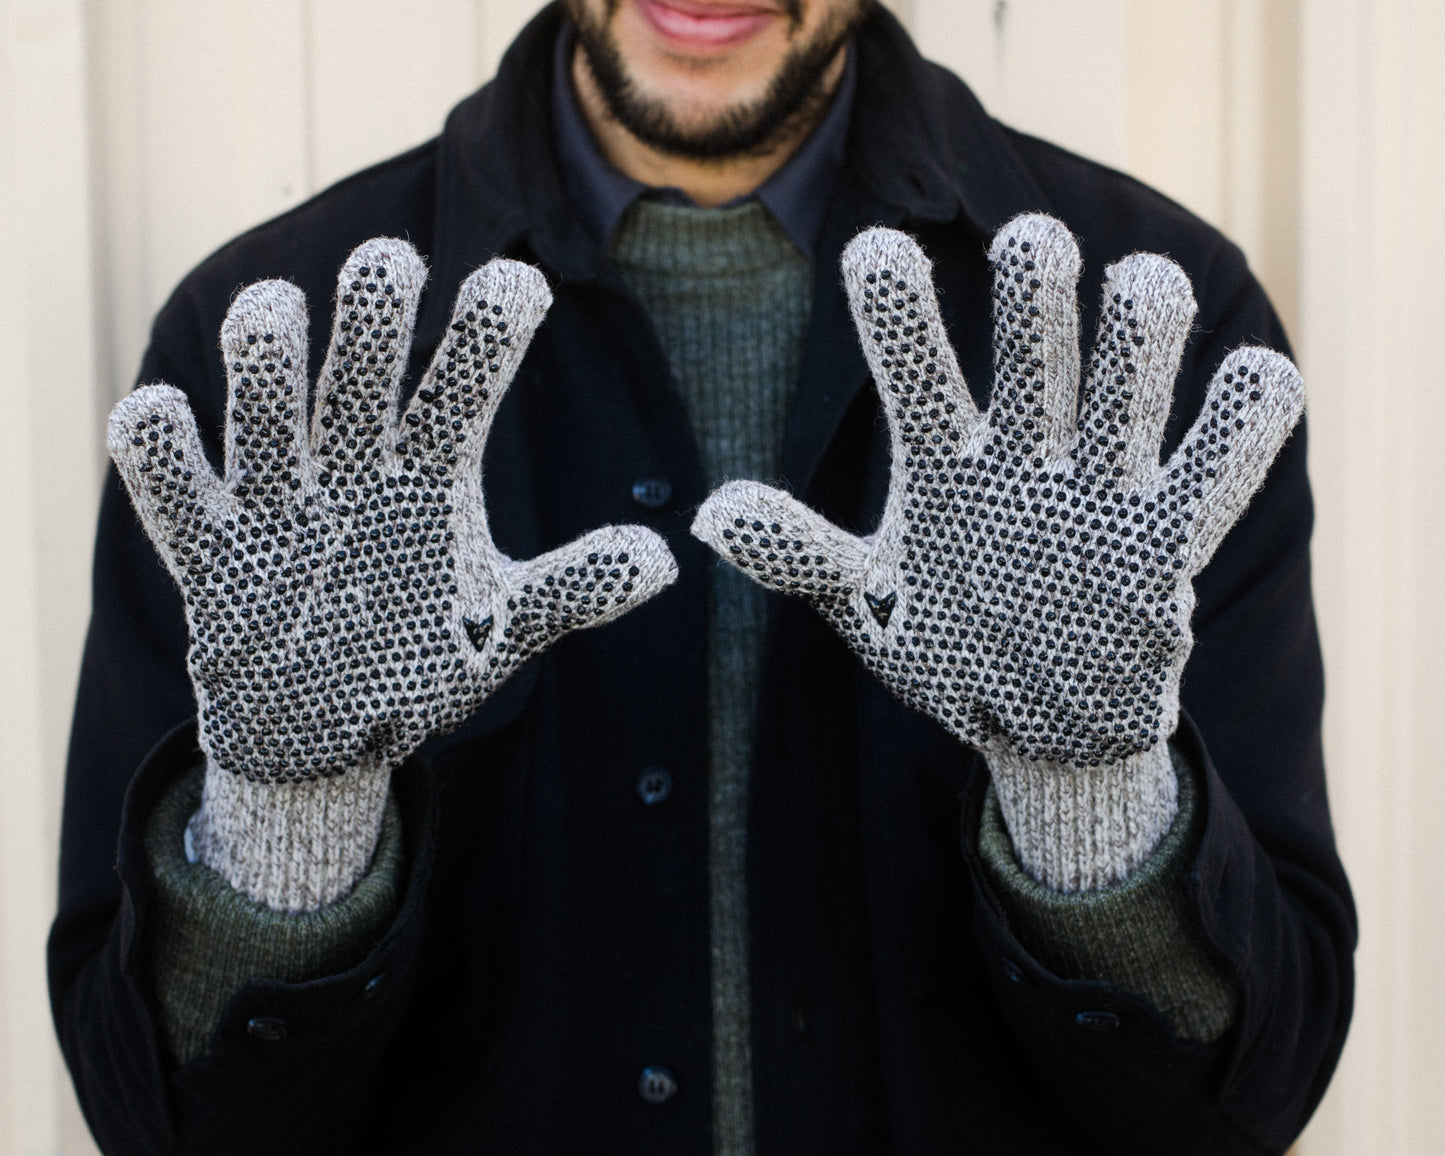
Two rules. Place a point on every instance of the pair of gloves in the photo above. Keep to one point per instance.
(1029, 585)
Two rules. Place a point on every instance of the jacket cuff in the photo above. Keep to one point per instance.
(284, 1028)
(1139, 934)
(208, 939)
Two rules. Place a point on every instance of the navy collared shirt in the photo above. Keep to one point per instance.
(796, 195)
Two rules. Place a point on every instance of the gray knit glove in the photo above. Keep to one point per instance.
(1029, 585)
(344, 597)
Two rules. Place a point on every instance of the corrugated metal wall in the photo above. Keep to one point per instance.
(137, 135)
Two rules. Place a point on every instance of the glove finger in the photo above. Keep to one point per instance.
(778, 541)
(1036, 336)
(895, 310)
(263, 342)
(589, 581)
(498, 309)
(377, 293)
(1147, 311)
(1253, 403)
(153, 440)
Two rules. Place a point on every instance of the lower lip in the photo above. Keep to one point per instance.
(686, 30)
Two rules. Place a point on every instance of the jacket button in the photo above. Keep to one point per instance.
(1011, 969)
(656, 1085)
(654, 785)
(373, 986)
(1097, 1021)
(651, 492)
(267, 1028)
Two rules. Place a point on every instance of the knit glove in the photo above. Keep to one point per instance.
(1029, 585)
(344, 596)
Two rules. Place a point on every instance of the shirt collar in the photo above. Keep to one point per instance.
(796, 195)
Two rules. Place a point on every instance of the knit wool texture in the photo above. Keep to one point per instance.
(729, 296)
(1081, 828)
(318, 834)
(207, 940)
(344, 597)
(1029, 585)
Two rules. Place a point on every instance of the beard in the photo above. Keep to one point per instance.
(795, 95)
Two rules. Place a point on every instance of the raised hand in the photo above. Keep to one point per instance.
(1029, 584)
(344, 596)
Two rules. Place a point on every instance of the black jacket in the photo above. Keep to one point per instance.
(554, 935)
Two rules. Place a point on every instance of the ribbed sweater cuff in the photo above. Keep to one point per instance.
(1140, 934)
(207, 940)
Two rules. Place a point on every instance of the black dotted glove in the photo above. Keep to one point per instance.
(1030, 583)
(344, 597)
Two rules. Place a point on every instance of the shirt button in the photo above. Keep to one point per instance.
(654, 785)
(651, 492)
(268, 1028)
(656, 1085)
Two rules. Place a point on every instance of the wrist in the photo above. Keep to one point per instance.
(293, 846)
(1083, 828)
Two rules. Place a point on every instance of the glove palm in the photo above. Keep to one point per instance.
(1029, 583)
(344, 597)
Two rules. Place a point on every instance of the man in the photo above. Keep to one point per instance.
(695, 879)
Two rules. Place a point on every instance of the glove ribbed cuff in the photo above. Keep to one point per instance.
(1082, 828)
(292, 846)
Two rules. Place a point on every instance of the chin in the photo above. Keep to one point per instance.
(708, 96)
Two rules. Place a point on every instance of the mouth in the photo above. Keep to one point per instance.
(707, 24)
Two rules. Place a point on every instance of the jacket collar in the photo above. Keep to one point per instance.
(923, 144)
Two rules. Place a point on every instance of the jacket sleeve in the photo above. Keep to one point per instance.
(1139, 933)
(1265, 887)
(129, 743)
(208, 940)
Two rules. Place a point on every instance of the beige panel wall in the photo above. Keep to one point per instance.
(48, 479)
(1373, 190)
(137, 135)
(1196, 97)
(209, 118)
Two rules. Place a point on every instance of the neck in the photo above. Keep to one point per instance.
(710, 182)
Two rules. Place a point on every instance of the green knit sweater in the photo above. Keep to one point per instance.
(729, 296)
